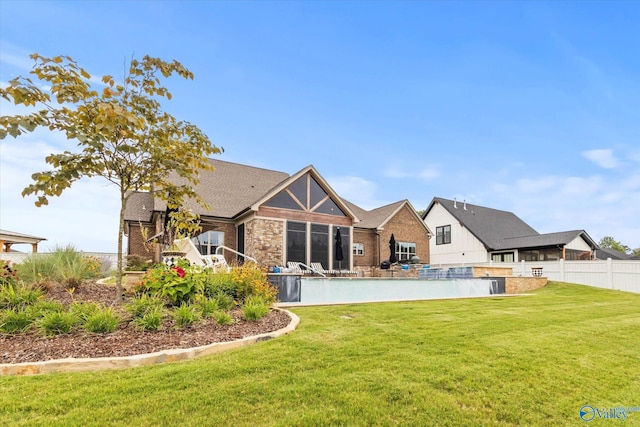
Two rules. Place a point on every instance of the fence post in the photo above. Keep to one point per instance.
(562, 279)
(522, 272)
(609, 273)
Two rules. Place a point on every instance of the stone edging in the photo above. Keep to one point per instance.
(173, 355)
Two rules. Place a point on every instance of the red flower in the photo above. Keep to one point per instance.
(179, 271)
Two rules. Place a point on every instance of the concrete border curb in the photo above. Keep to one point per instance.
(173, 355)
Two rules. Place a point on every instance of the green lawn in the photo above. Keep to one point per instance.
(530, 360)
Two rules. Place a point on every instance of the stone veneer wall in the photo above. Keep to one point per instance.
(518, 285)
(264, 241)
(492, 271)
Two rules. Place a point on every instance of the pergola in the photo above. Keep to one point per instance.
(9, 238)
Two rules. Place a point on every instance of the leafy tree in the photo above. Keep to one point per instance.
(609, 242)
(122, 133)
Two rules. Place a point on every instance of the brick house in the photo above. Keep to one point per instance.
(275, 218)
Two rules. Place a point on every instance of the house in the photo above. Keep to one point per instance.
(275, 218)
(466, 233)
(605, 253)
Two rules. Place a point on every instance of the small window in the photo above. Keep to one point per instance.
(358, 249)
(405, 250)
(502, 257)
(443, 235)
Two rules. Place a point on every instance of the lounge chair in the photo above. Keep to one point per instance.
(316, 267)
(296, 268)
(194, 256)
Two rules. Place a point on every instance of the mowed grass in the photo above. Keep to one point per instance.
(529, 360)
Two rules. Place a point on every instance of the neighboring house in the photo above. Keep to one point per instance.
(466, 233)
(10, 238)
(604, 253)
(275, 218)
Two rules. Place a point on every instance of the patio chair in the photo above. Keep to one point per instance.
(294, 267)
(191, 253)
(316, 267)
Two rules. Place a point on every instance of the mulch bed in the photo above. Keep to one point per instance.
(126, 341)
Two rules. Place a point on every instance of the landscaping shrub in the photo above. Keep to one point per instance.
(15, 321)
(142, 304)
(224, 301)
(177, 284)
(104, 320)
(255, 307)
(207, 306)
(186, 315)
(150, 320)
(223, 318)
(64, 265)
(250, 280)
(83, 309)
(57, 322)
(217, 283)
(17, 295)
(8, 275)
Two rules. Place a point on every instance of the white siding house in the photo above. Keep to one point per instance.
(466, 234)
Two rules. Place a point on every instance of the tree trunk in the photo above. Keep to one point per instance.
(123, 203)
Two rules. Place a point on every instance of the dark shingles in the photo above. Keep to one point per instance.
(490, 226)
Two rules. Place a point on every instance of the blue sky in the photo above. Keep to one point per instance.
(529, 107)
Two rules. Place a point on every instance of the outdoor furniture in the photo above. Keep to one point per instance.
(296, 268)
(191, 254)
(317, 268)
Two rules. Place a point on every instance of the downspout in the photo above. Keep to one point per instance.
(378, 260)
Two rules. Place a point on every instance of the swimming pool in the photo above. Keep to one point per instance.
(297, 290)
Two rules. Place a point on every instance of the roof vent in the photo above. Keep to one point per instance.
(455, 206)
(465, 204)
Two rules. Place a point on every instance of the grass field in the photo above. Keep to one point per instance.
(530, 360)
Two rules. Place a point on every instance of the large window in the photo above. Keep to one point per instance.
(308, 242)
(443, 235)
(297, 241)
(208, 242)
(405, 250)
(320, 244)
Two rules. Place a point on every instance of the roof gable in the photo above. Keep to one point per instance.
(490, 226)
(306, 191)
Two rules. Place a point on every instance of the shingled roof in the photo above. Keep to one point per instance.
(501, 230)
(374, 218)
(229, 189)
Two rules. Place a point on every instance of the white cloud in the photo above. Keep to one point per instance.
(603, 158)
(395, 172)
(356, 190)
(429, 174)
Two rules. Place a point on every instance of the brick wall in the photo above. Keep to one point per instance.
(406, 227)
(136, 245)
(370, 241)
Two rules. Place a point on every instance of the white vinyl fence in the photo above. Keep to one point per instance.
(609, 274)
